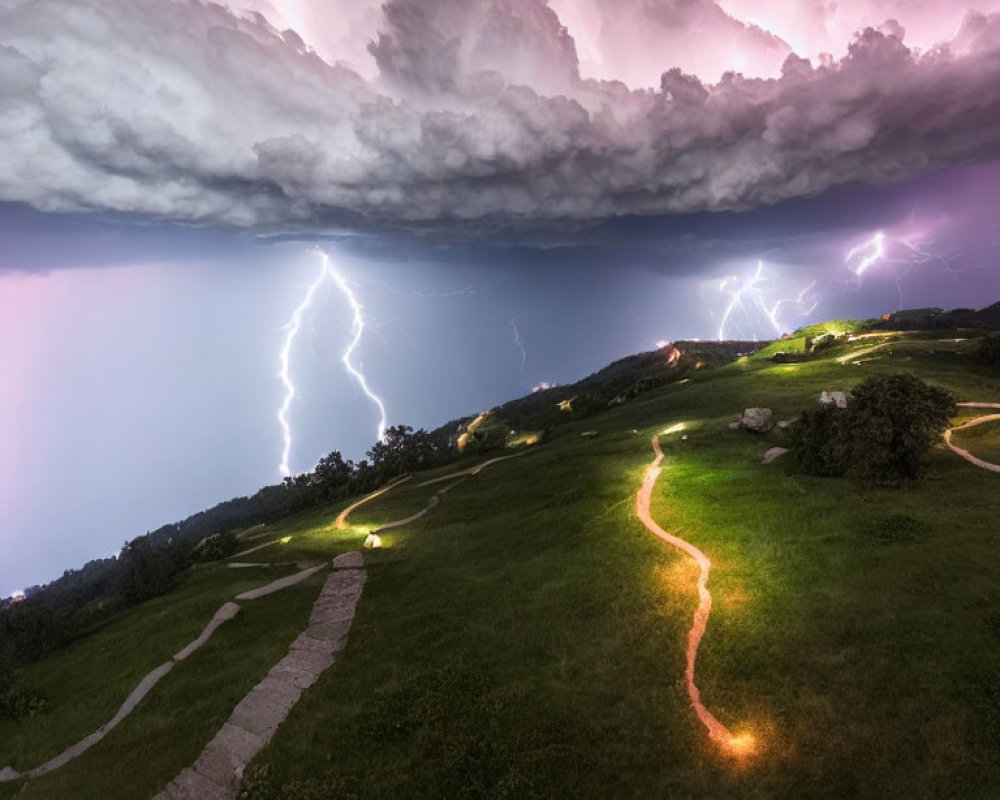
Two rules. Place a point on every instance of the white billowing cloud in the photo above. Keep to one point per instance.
(465, 116)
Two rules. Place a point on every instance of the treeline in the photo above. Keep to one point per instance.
(53, 615)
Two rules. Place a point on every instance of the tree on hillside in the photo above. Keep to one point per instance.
(989, 350)
(883, 435)
(403, 450)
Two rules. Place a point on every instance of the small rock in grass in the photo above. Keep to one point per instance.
(773, 454)
(758, 420)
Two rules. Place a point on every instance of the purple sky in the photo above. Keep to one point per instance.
(168, 170)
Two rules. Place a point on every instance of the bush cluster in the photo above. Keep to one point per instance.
(16, 702)
(883, 435)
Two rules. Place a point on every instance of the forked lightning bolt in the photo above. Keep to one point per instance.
(748, 297)
(359, 329)
(860, 258)
(292, 330)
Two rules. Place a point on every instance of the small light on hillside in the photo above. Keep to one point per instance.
(372, 540)
(286, 540)
(674, 429)
(17, 596)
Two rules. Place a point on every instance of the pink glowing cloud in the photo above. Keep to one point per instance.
(470, 117)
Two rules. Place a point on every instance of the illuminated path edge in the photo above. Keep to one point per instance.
(340, 523)
(718, 732)
(971, 424)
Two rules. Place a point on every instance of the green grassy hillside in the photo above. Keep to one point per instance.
(526, 638)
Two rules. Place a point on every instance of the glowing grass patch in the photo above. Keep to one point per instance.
(285, 540)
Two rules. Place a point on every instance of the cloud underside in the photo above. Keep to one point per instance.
(477, 121)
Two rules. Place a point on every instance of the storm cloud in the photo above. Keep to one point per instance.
(460, 117)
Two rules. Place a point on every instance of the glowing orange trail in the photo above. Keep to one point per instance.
(341, 522)
(716, 730)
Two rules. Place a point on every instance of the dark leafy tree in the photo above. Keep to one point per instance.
(989, 350)
(883, 435)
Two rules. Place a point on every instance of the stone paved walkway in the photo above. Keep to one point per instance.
(225, 613)
(216, 773)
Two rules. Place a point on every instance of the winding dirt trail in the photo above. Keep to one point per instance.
(737, 745)
(971, 424)
(341, 522)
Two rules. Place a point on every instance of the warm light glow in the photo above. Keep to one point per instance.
(566, 405)
(373, 540)
(744, 744)
(674, 429)
(525, 440)
(285, 540)
(734, 745)
(340, 523)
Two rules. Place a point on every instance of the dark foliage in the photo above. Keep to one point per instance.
(16, 702)
(217, 546)
(150, 565)
(989, 351)
(883, 435)
(929, 319)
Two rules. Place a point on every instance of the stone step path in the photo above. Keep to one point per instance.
(216, 773)
(225, 613)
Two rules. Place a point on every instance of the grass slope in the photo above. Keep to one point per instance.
(526, 638)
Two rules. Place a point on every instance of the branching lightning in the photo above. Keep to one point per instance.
(359, 329)
(524, 353)
(908, 253)
(291, 332)
(860, 258)
(749, 305)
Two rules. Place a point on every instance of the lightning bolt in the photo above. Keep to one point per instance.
(327, 272)
(520, 346)
(359, 329)
(292, 331)
(860, 258)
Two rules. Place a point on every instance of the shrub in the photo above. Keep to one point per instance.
(17, 703)
(883, 435)
(217, 546)
(989, 350)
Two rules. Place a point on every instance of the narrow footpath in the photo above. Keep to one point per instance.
(736, 745)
